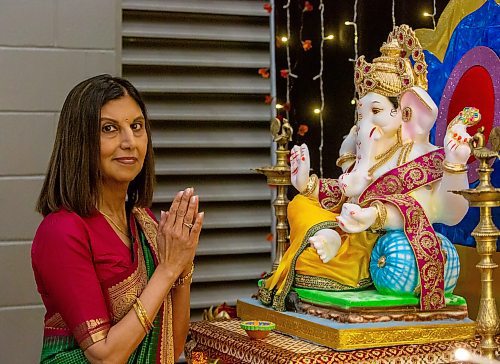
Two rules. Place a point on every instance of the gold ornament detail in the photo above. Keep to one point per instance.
(142, 315)
(406, 115)
(341, 338)
(344, 158)
(405, 152)
(469, 116)
(311, 185)
(279, 176)
(120, 229)
(385, 156)
(485, 196)
(392, 72)
(381, 216)
(454, 167)
(188, 278)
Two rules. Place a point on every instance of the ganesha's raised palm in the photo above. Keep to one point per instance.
(300, 163)
(456, 140)
(456, 144)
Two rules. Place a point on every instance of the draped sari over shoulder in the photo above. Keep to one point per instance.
(89, 280)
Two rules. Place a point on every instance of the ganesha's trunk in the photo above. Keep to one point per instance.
(370, 143)
(366, 149)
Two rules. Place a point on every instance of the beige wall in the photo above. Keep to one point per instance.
(46, 47)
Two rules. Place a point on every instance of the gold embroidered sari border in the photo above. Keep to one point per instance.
(326, 284)
(91, 331)
(279, 299)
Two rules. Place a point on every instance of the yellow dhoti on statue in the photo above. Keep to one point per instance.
(301, 265)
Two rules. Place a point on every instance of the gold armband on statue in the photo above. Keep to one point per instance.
(344, 158)
(311, 185)
(381, 216)
(454, 167)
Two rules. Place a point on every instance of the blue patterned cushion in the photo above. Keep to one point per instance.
(394, 270)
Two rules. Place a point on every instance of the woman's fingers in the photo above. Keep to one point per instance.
(191, 211)
(180, 227)
(160, 237)
(163, 220)
(194, 234)
(178, 208)
(182, 209)
(197, 205)
(173, 209)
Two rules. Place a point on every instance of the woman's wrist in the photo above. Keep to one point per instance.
(185, 278)
(168, 273)
(187, 269)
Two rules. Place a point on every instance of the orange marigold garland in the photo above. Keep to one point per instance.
(306, 45)
(303, 129)
(264, 72)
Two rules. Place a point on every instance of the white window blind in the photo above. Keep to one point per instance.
(196, 64)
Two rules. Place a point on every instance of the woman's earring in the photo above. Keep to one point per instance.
(406, 114)
(394, 112)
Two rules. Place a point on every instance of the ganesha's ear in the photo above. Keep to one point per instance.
(419, 113)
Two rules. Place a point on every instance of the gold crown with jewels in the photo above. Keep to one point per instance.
(392, 73)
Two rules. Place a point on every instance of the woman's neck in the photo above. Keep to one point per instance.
(112, 200)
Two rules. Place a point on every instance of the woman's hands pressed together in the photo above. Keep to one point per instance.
(179, 231)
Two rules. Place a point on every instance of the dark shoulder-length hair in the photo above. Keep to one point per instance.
(73, 175)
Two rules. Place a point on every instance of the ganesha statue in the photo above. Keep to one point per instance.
(395, 185)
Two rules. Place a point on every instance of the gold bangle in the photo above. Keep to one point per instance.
(454, 167)
(188, 278)
(381, 216)
(311, 185)
(140, 311)
(344, 158)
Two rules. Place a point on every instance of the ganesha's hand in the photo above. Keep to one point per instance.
(299, 167)
(456, 140)
(456, 144)
(327, 244)
(355, 219)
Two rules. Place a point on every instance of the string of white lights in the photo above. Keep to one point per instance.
(355, 25)
(321, 90)
(289, 63)
(393, 16)
(433, 15)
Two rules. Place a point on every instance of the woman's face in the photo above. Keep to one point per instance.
(124, 141)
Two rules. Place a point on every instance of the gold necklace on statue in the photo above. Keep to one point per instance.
(114, 223)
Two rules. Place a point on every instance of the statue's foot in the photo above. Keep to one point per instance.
(326, 242)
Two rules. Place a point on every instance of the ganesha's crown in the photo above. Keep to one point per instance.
(392, 73)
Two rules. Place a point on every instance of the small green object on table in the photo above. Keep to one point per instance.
(256, 329)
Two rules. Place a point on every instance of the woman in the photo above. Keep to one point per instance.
(115, 283)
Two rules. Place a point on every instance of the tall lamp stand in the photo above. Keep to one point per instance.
(279, 176)
(485, 196)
